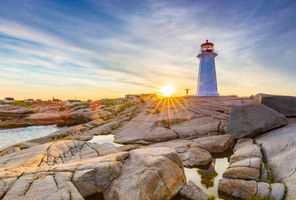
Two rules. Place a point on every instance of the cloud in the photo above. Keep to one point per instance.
(117, 49)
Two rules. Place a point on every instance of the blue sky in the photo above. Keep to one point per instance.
(95, 49)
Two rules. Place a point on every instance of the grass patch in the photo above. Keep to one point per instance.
(211, 197)
(23, 104)
(126, 106)
(259, 198)
(109, 103)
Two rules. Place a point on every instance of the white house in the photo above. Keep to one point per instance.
(8, 100)
(72, 102)
(29, 101)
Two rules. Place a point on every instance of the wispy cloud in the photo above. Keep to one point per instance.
(106, 49)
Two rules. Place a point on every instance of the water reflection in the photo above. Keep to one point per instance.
(208, 175)
(207, 179)
(16, 135)
(100, 139)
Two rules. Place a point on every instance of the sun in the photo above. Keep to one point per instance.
(167, 90)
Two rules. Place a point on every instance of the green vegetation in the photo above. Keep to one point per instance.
(259, 198)
(168, 122)
(109, 103)
(23, 104)
(126, 106)
(270, 178)
(211, 197)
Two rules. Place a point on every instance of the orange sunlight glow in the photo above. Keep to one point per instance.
(167, 90)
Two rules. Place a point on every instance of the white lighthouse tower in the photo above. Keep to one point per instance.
(207, 79)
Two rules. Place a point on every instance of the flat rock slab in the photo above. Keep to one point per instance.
(53, 153)
(73, 180)
(283, 104)
(215, 144)
(197, 127)
(176, 118)
(250, 120)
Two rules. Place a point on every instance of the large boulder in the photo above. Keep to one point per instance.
(147, 174)
(197, 157)
(250, 120)
(283, 104)
(197, 127)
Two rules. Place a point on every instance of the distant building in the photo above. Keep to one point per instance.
(137, 97)
(8, 100)
(29, 101)
(72, 102)
(56, 100)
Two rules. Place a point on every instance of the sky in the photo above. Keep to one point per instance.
(105, 49)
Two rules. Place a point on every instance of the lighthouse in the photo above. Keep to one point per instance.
(207, 79)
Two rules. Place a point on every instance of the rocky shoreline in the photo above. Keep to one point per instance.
(158, 140)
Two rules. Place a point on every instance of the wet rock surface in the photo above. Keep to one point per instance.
(251, 120)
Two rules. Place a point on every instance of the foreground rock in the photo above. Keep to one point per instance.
(250, 120)
(283, 104)
(218, 144)
(197, 152)
(190, 191)
(79, 170)
(237, 189)
(147, 174)
(58, 170)
(245, 163)
(197, 157)
(279, 148)
(245, 190)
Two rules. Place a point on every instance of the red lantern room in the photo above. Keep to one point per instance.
(207, 47)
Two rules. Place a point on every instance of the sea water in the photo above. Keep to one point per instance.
(15, 135)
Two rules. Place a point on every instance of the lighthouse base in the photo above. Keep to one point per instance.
(210, 94)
